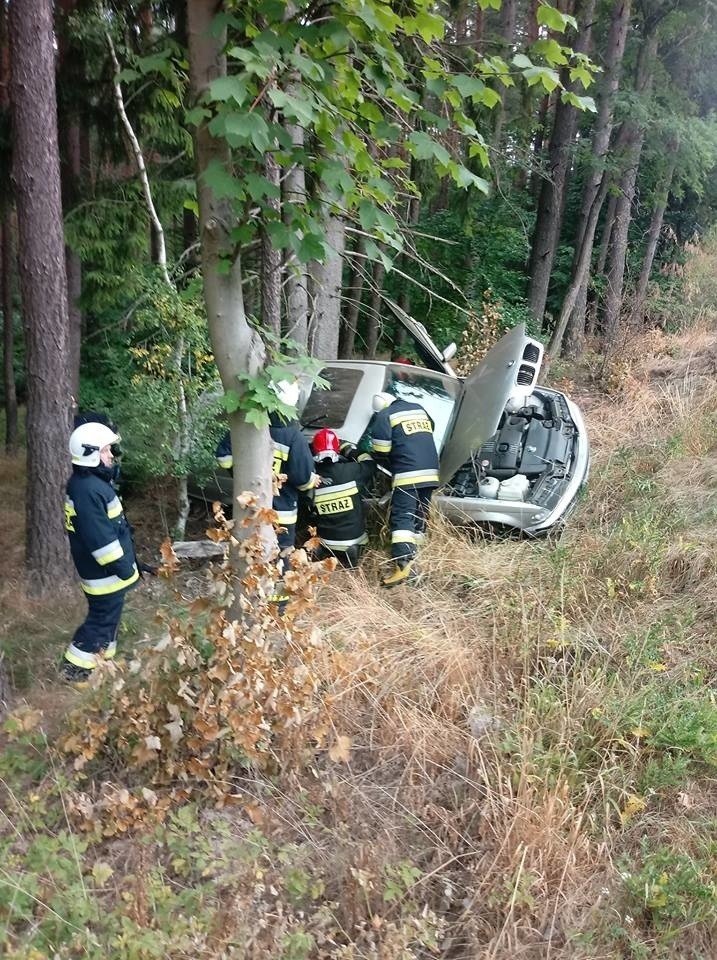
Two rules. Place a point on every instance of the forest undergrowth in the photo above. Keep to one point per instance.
(516, 760)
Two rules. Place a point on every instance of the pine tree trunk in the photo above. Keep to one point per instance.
(634, 138)
(373, 330)
(6, 261)
(551, 198)
(325, 288)
(9, 391)
(602, 132)
(347, 339)
(43, 286)
(653, 236)
(236, 347)
(606, 237)
(508, 13)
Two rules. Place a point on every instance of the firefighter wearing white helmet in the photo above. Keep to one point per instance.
(402, 436)
(101, 547)
(292, 458)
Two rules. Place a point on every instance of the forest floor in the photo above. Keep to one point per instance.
(531, 739)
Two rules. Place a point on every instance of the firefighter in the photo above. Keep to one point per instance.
(338, 510)
(402, 434)
(291, 457)
(101, 547)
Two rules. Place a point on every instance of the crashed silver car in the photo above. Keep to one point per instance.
(513, 454)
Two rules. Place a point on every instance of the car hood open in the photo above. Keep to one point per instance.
(509, 368)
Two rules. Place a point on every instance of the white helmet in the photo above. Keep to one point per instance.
(287, 391)
(87, 441)
(381, 401)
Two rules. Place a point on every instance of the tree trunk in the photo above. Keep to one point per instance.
(653, 236)
(581, 271)
(297, 280)
(70, 72)
(347, 339)
(606, 238)
(550, 201)
(373, 332)
(236, 347)
(507, 33)
(36, 167)
(10, 393)
(326, 284)
(271, 260)
(634, 137)
(6, 261)
(602, 132)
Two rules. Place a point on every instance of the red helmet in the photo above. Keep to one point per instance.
(325, 444)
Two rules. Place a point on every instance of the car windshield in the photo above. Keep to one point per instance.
(330, 407)
(436, 396)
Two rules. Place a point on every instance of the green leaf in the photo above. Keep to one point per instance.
(370, 111)
(468, 86)
(582, 74)
(489, 4)
(336, 177)
(294, 108)
(257, 416)
(490, 98)
(195, 116)
(367, 214)
(429, 25)
(580, 103)
(249, 126)
(127, 75)
(553, 19)
(522, 62)
(259, 187)
(230, 401)
(424, 147)
(221, 182)
(279, 234)
(549, 78)
(310, 246)
(464, 178)
(229, 88)
(374, 252)
(479, 150)
(551, 51)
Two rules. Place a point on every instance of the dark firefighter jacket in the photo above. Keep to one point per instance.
(337, 508)
(100, 537)
(291, 456)
(403, 435)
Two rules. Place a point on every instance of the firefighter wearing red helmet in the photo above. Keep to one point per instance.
(337, 505)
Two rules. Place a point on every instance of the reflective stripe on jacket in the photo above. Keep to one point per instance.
(100, 536)
(337, 508)
(403, 435)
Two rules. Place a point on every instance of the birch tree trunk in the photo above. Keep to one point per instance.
(43, 286)
(297, 280)
(236, 347)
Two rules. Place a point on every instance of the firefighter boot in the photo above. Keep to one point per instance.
(404, 572)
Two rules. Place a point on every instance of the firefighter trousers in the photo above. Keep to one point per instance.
(97, 636)
(409, 513)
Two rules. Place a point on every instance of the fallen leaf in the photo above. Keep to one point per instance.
(633, 806)
(340, 751)
(101, 872)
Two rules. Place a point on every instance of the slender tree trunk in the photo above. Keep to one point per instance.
(581, 270)
(634, 136)
(606, 237)
(508, 13)
(326, 285)
(653, 236)
(614, 52)
(373, 330)
(347, 340)
(297, 280)
(6, 260)
(236, 347)
(10, 393)
(477, 26)
(271, 260)
(43, 286)
(181, 444)
(550, 201)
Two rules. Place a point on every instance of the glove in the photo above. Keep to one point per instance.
(146, 568)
